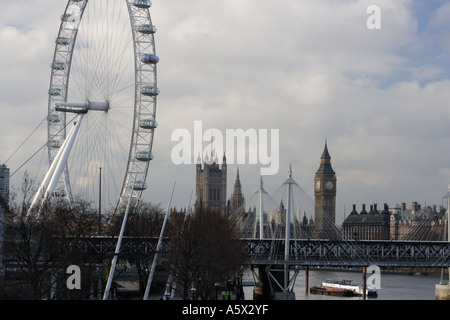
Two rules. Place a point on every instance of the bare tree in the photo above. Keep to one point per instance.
(144, 220)
(39, 247)
(204, 250)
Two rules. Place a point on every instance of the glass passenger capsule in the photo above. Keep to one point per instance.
(54, 144)
(54, 91)
(146, 28)
(149, 58)
(150, 91)
(58, 65)
(144, 156)
(53, 118)
(63, 41)
(142, 3)
(148, 123)
(139, 185)
(67, 17)
(59, 193)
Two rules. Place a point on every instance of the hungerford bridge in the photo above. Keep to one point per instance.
(271, 249)
(302, 252)
(272, 264)
(276, 258)
(275, 253)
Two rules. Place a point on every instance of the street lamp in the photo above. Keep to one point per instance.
(217, 290)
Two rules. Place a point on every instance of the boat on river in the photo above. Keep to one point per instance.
(331, 291)
(357, 290)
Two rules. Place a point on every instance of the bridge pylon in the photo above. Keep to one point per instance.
(275, 282)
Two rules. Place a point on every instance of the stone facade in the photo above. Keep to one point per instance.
(399, 223)
(372, 225)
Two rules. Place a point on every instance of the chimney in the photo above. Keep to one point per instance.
(363, 211)
(414, 207)
(403, 206)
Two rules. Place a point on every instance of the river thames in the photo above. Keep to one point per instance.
(393, 286)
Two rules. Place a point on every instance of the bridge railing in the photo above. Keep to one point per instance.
(105, 246)
(302, 251)
(349, 253)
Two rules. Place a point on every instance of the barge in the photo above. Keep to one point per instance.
(331, 291)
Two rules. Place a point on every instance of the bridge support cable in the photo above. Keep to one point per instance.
(158, 248)
(119, 243)
(447, 196)
(261, 209)
(289, 182)
(253, 217)
(428, 226)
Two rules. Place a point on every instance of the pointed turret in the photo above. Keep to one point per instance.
(325, 154)
(237, 199)
(325, 161)
(237, 183)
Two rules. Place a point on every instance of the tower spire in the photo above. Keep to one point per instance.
(237, 183)
(237, 198)
(325, 154)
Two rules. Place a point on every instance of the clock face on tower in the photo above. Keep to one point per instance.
(329, 185)
(318, 185)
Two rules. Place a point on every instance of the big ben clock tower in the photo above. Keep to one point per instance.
(325, 198)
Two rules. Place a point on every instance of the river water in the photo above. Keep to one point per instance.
(393, 286)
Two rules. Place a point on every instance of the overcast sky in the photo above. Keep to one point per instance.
(311, 69)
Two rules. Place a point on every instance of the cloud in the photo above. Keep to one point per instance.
(309, 68)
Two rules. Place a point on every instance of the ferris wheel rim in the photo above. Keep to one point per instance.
(145, 93)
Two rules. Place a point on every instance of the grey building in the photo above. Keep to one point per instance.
(372, 225)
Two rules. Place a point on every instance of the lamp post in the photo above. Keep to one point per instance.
(100, 204)
(217, 290)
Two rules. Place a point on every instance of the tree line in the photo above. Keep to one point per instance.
(203, 250)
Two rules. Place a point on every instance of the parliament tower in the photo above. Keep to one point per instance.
(211, 185)
(325, 198)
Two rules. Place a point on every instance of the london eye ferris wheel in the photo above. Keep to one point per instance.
(102, 102)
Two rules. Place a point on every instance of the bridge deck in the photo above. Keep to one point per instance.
(304, 252)
(350, 253)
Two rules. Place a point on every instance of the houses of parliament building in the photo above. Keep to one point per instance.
(211, 186)
(395, 223)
